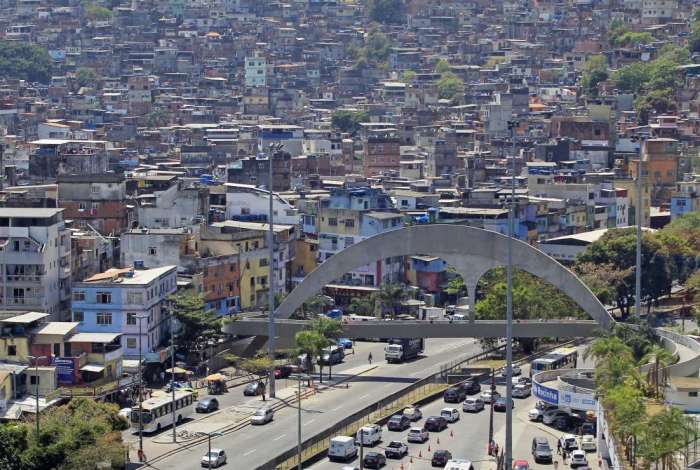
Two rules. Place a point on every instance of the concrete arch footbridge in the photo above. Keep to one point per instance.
(471, 252)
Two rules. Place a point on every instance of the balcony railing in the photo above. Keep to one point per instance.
(26, 278)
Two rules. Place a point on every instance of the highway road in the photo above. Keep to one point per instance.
(253, 446)
(467, 438)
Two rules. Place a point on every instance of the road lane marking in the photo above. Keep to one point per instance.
(364, 396)
(306, 423)
(279, 437)
(249, 452)
(334, 409)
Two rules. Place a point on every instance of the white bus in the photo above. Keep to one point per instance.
(558, 359)
(158, 411)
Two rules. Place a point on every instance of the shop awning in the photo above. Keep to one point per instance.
(216, 377)
(92, 368)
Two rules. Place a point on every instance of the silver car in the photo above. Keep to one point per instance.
(418, 435)
(215, 458)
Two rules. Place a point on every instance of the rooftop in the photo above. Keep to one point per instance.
(122, 276)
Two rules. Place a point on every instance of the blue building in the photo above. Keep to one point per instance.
(124, 300)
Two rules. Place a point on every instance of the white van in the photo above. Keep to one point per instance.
(342, 448)
(459, 464)
(371, 435)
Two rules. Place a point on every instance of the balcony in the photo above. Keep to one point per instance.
(25, 278)
(23, 301)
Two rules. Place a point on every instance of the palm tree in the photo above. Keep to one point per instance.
(390, 297)
(330, 331)
(309, 343)
(615, 363)
(657, 374)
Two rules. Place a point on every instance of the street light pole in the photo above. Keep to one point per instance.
(639, 213)
(139, 318)
(36, 360)
(271, 276)
(513, 125)
(299, 379)
(172, 370)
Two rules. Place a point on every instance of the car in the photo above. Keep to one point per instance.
(440, 458)
(516, 371)
(396, 450)
(331, 355)
(541, 451)
(435, 423)
(207, 405)
(565, 423)
(455, 394)
(521, 391)
(398, 423)
(500, 404)
(262, 415)
(588, 443)
(413, 413)
(521, 464)
(125, 413)
(371, 434)
(550, 416)
(587, 428)
(536, 413)
(342, 448)
(488, 396)
(418, 435)
(253, 389)
(472, 387)
(451, 415)
(215, 458)
(374, 460)
(345, 343)
(568, 442)
(473, 405)
(349, 467)
(578, 459)
(284, 371)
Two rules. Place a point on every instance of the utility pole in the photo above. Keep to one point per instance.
(299, 378)
(639, 213)
(139, 318)
(172, 370)
(493, 389)
(36, 360)
(271, 276)
(362, 449)
(512, 125)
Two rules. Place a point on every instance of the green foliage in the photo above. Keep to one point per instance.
(75, 436)
(390, 297)
(408, 76)
(595, 70)
(259, 365)
(456, 288)
(387, 11)
(442, 66)
(632, 77)
(604, 280)
(378, 46)
(96, 12)
(316, 304)
(663, 435)
(348, 121)
(631, 39)
(450, 86)
(364, 306)
(86, 76)
(199, 325)
(23, 61)
(655, 102)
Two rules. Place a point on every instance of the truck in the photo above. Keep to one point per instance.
(403, 349)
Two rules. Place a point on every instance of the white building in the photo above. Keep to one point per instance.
(655, 11)
(255, 71)
(246, 202)
(35, 257)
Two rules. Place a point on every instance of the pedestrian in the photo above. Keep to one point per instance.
(558, 447)
(370, 358)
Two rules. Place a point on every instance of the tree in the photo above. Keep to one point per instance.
(631, 78)
(595, 70)
(330, 331)
(14, 438)
(450, 86)
(442, 66)
(348, 121)
(604, 280)
(665, 434)
(22, 61)
(365, 306)
(86, 76)
(260, 365)
(657, 374)
(378, 46)
(408, 76)
(199, 325)
(387, 11)
(309, 344)
(615, 364)
(316, 305)
(456, 288)
(655, 102)
(390, 297)
(95, 12)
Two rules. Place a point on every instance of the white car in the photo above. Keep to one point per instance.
(588, 443)
(578, 459)
(418, 435)
(521, 391)
(489, 396)
(568, 442)
(450, 414)
(413, 413)
(262, 416)
(516, 371)
(473, 404)
(396, 450)
(215, 458)
(125, 413)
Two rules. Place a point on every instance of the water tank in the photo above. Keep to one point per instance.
(138, 264)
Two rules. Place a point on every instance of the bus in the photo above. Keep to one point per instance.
(560, 358)
(158, 411)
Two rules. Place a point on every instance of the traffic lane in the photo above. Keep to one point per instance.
(254, 445)
(467, 438)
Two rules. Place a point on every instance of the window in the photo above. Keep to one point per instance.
(692, 394)
(79, 316)
(104, 318)
(332, 221)
(130, 318)
(94, 189)
(349, 223)
(131, 343)
(79, 295)
(11, 350)
(263, 262)
(134, 297)
(104, 298)
(34, 380)
(152, 250)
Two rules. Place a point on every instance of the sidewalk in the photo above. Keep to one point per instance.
(235, 418)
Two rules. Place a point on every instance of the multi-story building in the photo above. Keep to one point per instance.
(255, 71)
(97, 201)
(381, 152)
(686, 198)
(35, 255)
(117, 300)
(248, 203)
(352, 215)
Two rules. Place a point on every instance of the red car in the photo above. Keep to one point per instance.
(521, 465)
(282, 372)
